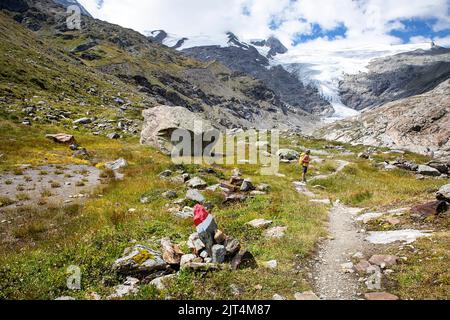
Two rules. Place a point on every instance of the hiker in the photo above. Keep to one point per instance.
(305, 159)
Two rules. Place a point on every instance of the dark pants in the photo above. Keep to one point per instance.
(305, 169)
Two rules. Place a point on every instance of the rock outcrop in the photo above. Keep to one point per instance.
(396, 77)
(420, 124)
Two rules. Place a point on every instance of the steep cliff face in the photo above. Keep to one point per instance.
(396, 77)
(255, 58)
(241, 57)
(419, 123)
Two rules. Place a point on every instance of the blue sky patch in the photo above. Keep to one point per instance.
(418, 27)
(318, 32)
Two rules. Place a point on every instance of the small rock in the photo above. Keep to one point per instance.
(384, 261)
(161, 282)
(347, 267)
(195, 243)
(218, 253)
(196, 183)
(428, 171)
(306, 296)
(65, 298)
(139, 260)
(113, 136)
(260, 223)
(195, 195)
(232, 246)
(362, 266)
(82, 121)
(220, 237)
(126, 289)
(358, 255)
(165, 174)
(278, 297)
(380, 296)
(169, 194)
(272, 264)
(187, 258)
(276, 232)
(116, 165)
(247, 185)
(263, 187)
(244, 259)
(171, 253)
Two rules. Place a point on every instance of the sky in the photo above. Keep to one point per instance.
(310, 24)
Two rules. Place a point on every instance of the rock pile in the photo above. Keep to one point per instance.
(211, 250)
(431, 169)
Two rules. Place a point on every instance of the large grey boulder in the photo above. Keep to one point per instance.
(161, 122)
(428, 171)
(444, 193)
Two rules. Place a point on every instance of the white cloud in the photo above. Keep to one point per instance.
(367, 21)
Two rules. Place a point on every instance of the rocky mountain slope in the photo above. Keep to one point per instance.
(396, 77)
(416, 123)
(253, 59)
(110, 73)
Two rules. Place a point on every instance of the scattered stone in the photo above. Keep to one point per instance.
(278, 297)
(65, 298)
(169, 194)
(276, 232)
(442, 167)
(171, 253)
(247, 185)
(235, 197)
(232, 246)
(260, 223)
(236, 181)
(384, 261)
(165, 174)
(429, 209)
(195, 195)
(264, 187)
(257, 193)
(82, 121)
(186, 213)
(218, 253)
(195, 243)
(362, 266)
(81, 154)
(444, 193)
(380, 296)
(139, 260)
(197, 183)
(220, 237)
(129, 287)
(428, 171)
(272, 264)
(347, 267)
(62, 138)
(306, 296)
(117, 165)
(358, 255)
(187, 258)
(364, 155)
(161, 282)
(201, 267)
(113, 136)
(369, 216)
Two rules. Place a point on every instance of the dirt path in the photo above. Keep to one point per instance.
(331, 282)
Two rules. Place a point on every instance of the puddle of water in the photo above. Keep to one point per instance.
(387, 237)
